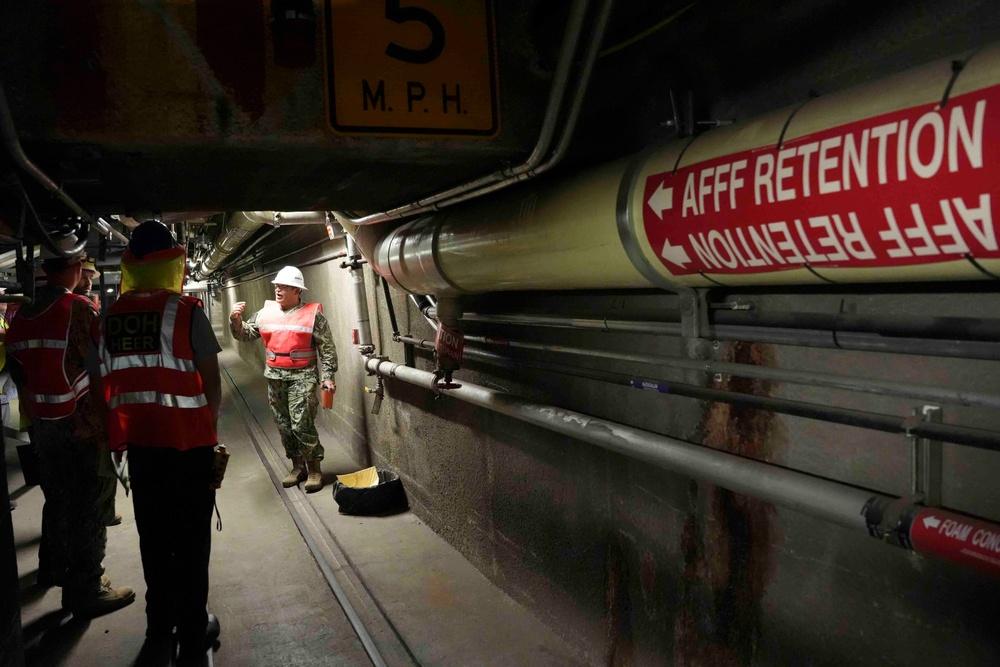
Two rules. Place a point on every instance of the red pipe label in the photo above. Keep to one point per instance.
(449, 345)
(957, 538)
(915, 186)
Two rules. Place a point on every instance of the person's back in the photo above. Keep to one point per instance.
(48, 345)
(161, 379)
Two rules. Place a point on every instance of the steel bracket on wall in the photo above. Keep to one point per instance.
(927, 459)
(694, 313)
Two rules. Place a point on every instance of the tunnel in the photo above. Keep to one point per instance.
(665, 333)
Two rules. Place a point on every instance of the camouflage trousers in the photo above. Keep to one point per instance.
(293, 405)
(74, 480)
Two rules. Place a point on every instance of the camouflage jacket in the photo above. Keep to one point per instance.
(326, 351)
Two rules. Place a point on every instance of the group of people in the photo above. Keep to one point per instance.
(144, 377)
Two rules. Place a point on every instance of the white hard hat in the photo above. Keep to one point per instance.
(290, 276)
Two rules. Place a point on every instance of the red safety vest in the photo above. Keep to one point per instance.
(151, 383)
(39, 343)
(288, 338)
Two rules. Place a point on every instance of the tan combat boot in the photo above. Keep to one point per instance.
(103, 601)
(315, 481)
(297, 473)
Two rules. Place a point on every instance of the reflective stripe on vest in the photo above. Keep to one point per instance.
(40, 343)
(288, 340)
(156, 398)
(79, 387)
(167, 325)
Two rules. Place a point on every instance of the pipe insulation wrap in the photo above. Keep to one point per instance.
(831, 501)
(241, 227)
(877, 183)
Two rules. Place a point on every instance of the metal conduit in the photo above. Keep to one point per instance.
(961, 435)
(572, 117)
(13, 145)
(281, 218)
(811, 378)
(560, 82)
(360, 295)
(949, 328)
(841, 340)
(815, 496)
(241, 227)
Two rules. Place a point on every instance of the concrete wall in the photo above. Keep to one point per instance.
(640, 566)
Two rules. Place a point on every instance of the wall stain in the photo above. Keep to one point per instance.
(726, 540)
(619, 641)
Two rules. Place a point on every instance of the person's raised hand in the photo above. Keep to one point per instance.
(237, 311)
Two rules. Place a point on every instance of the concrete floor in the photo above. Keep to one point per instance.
(419, 601)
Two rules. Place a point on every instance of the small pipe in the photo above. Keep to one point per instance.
(841, 340)
(960, 435)
(951, 328)
(360, 296)
(811, 378)
(815, 496)
(574, 28)
(392, 310)
(328, 257)
(21, 159)
(16, 152)
(237, 261)
(424, 309)
(574, 113)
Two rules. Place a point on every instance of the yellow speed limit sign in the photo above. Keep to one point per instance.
(415, 67)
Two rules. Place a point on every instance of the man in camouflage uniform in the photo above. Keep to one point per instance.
(291, 392)
(84, 289)
(75, 464)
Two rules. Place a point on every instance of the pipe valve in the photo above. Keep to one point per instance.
(379, 392)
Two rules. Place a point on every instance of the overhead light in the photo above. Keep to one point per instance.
(111, 290)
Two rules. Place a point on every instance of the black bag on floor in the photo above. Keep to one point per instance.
(370, 492)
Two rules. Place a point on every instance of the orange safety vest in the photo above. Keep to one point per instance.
(151, 383)
(288, 338)
(39, 344)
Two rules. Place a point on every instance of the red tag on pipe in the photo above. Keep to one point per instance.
(354, 336)
(449, 344)
(969, 542)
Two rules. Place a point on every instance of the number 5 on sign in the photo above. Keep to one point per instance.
(411, 67)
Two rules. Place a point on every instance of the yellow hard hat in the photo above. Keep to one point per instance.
(90, 264)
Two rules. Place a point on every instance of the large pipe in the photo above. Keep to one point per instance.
(923, 529)
(243, 224)
(241, 227)
(281, 218)
(824, 192)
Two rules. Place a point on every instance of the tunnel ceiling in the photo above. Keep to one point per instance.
(170, 105)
